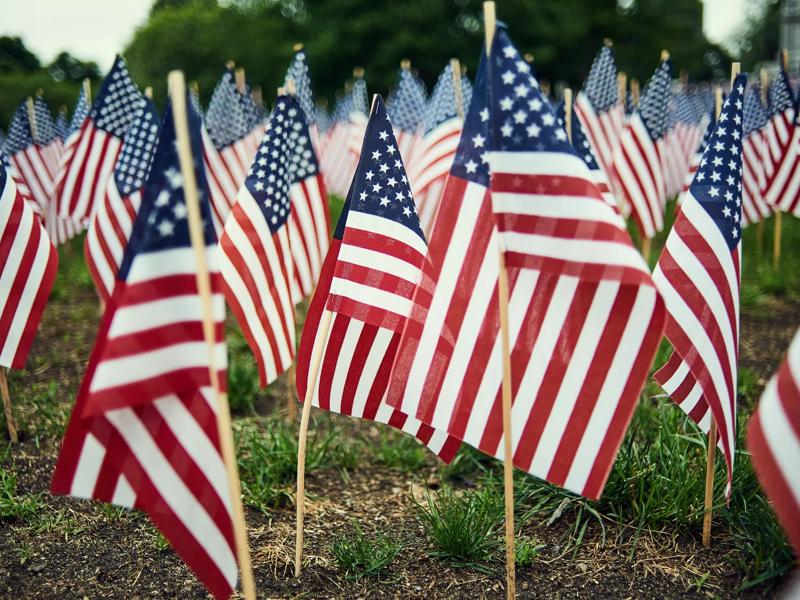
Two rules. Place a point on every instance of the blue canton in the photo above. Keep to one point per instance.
(162, 222)
(380, 186)
(755, 115)
(194, 98)
(522, 118)
(117, 102)
(654, 105)
(442, 104)
(284, 157)
(61, 125)
(298, 73)
(579, 141)
(79, 113)
(471, 161)
(19, 131)
(406, 103)
(226, 118)
(45, 126)
(779, 94)
(601, 84)
(359, 96)
(717, 185)
(133, 163)
(685, 111)
(322, 118)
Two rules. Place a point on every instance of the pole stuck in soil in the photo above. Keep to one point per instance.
(177, 92)
(11, 424)
(490, 25)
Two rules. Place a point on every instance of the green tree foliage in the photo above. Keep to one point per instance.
(14, 56)
(199, 36)
(68, 68)
(759, 38)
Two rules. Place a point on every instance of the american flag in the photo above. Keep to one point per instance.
(698, 276)
(89, 161)
(310, 220)
(584, 317)
(226, 148)
(773, 438)
(405, 107)
(778, 134)
(257, 265)
(685, 138)
(62, 125)
(111, 225)
(754, 206)
(599, 109)
(638, 161)
(358, 119)
(583, 148)
(28, 263)
(365, 292)
(337, 163)
(441, 129)
(144, 430)
(697, 156)
(30, 147)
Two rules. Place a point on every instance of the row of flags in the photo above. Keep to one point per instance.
(404, 316)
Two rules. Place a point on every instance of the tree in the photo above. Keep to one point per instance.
(14, 56)
(67, 67)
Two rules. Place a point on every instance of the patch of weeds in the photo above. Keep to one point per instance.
(463, 527)
(24, 553)
(267, 456)
(748, 386)
(345, 454)
(401, 452)
(526, 550)
(159, 542)
(243, 383)
(51, 416)
(23, 507)
(358, 555)
(48, 521)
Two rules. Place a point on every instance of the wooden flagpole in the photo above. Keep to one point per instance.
(313, 374)
(622, 87)
(177, 92)
(635, 92)
(764, 77)
(568, 112)
(711, 446)
(240, 79)
(11, 424)
(31, 117)
(490, 25)
(455, 67)
(87, 90)
(148, 92)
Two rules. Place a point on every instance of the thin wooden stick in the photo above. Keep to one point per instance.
(635, 92)
(177, 90)
(490, 25)
(10, 422)
(764, 77)
(313, 373)
(647, 246)
(622, 87)
(291, 390)
(148, 92)
(568, 112)
(241, 82)
(87, 90)
(455, 67)
(776, 239)
(31, 118)
(711, 452)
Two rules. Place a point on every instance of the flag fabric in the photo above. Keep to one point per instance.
(600, 111)
(441, 129)
(682, 141)
(337, 163)
(698, 274)
(62, 124)
(638, 158)
(778, 134)
(405, 107)
(310, 220)
(31, 155)
(584, 317)
(28, 264)
(257, 265)
(754, 206)
(111, 225)
(144, 430)
(773, 438)
(89, 161)
(583, 148)
(697, 156)
(366, 288)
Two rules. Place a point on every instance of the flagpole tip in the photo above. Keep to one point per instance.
(405, 64)
(528, 57)
(664, 55)
(608, 42)
(358, 72)
(230, 64)
(297, 47)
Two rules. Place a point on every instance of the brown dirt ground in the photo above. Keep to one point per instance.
(86, 550)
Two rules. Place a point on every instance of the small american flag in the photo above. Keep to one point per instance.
(111, 225)
(29, 161)
(778, 135)
(638, 162)
(89, 161)
(773, 438)
(754, 148)
(255, 245)
(62, 125)
(684, 139)
(697, 155)
(144, 430)
(584, 317)
(441, 129)
(698, 276)
(366, 288)
(28, 263)
(405, 107)
(599, 109)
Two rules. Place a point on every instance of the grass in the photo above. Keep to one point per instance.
(358, 555)
(400, 451)
(22, 508)
(464, 527)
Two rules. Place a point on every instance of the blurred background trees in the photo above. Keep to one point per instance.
(199, 36)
